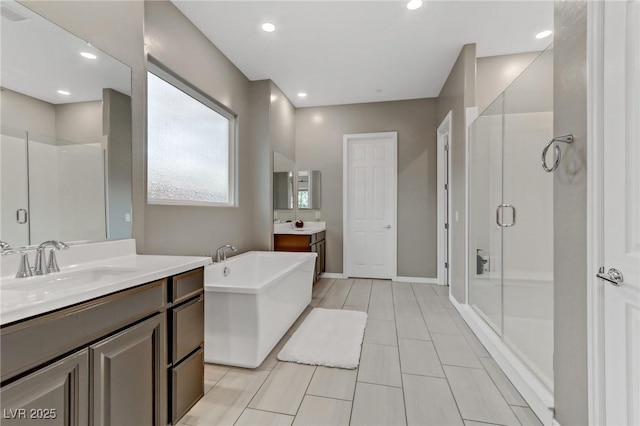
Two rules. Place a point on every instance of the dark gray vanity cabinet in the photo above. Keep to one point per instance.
(57, 394)
(126, 370)
(116, 373)
(134, 357)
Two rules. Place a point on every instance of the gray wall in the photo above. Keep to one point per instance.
(570, 215)
(116, 125)
(79, 122)
(282, 132)
(272, 129)
(495, 73)
(196, 230)
(282, 122)
(26, 113)
(259, 132)
(319, 132)
(456, 95)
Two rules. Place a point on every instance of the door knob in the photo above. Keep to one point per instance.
(387, 227)
(614, 276)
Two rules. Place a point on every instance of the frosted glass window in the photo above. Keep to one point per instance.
(189, 146)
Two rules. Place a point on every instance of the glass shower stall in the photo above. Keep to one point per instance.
(51, 188)
(511, 218)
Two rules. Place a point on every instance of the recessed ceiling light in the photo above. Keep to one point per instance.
(88, 55)
(64, 92)
(544, 34)
(414, 4)
(268, 27)
(302, 94)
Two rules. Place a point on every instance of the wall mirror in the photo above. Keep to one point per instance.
(309, 190)
(65, 146)
(283, 186)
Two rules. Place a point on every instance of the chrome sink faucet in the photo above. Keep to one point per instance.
(221, 252)
(24, 270)
(42, 266)
(5, 247)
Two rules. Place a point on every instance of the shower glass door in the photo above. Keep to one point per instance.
(511, 217)
(527, 262)
(485, 236)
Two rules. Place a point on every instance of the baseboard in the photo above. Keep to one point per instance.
(417, 280)
(539, 398)
(332, 275)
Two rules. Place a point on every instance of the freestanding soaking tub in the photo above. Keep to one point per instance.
(250, 308)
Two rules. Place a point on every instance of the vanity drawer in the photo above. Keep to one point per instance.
(187, 328)
(32, 342)
(186, 285)
(187, 384)
(290, 242)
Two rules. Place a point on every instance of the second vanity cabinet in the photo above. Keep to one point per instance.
(304, 242)
(114, 360)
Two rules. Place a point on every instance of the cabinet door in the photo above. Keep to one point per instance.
(54, 395)
(129, 376)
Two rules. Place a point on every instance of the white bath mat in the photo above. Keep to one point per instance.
(330, 337)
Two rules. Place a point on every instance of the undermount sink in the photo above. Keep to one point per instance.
(68, 280)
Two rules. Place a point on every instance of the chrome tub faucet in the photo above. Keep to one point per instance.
(221, 252)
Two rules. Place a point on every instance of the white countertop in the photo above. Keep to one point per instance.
(309, 228)
(82, 277)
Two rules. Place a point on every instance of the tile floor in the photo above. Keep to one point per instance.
(420, 365)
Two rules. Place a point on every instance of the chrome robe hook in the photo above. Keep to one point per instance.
(556, 152)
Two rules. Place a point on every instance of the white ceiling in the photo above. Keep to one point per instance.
(39, 58)
(342, 52)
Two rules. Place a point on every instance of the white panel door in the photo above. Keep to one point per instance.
(622, 211)
(370, 207)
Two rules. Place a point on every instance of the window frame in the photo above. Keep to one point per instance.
(162, 72)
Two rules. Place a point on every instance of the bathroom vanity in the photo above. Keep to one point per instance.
(310, 238)
(117, 341)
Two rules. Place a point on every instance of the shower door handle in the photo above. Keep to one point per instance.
(498, 219)
(21, 216)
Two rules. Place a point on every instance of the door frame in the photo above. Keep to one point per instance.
(345, 196)
(595, 212)
(444, 209)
